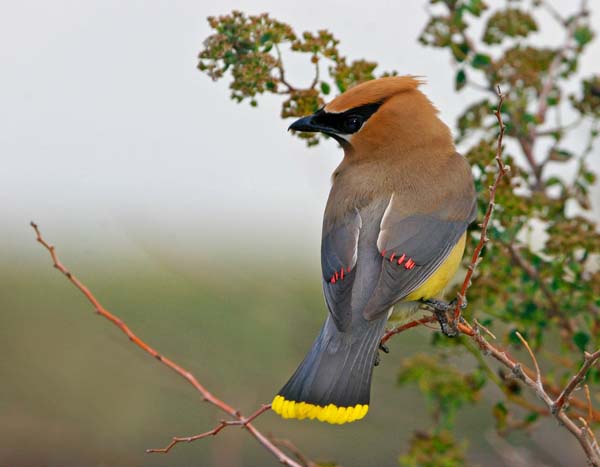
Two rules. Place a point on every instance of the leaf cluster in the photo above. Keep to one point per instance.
(251, 48)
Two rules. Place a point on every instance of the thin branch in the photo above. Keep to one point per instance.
(392, 332)
(588, 397)
(554, 13)
(590, 433)
(538, 373)
(281, 70)
(317, 73)
(576, 380)
(207, 396)
(588, 444)
(222, 424)
(291, 447)
(502, 171)
(560, 129)
(526, 144)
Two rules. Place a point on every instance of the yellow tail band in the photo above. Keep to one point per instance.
(330, 413)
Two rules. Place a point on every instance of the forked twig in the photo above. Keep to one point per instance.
(576, 380)
(222, 424)
(239, 419)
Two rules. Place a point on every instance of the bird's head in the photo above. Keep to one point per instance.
(385, 115)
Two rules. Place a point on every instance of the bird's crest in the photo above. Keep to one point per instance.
(373, 91)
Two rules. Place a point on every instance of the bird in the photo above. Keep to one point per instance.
(394, 234)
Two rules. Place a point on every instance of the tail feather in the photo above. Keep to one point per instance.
(333, 382)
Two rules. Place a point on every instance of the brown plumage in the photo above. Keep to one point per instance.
(393, 231)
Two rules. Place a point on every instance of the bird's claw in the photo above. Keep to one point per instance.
(385, 349)
(377, 359)
(441, 308)
(449, 329)
(440, 305)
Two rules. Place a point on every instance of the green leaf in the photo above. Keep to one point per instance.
(511, 22)
(581, 339)
(589, 177)
(500, 413)
(460, 51)
(460, 80)
(481, 61)
(532, 417)
(325, 88)
(554, 181)
(476, 7)
(560, 155)
(583, 35)
(265, 37)
(513, 339)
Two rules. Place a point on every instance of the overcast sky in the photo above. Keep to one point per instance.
(108, 128)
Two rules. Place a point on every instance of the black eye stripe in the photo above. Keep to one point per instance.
(342, 122)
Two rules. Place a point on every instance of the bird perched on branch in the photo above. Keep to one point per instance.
(393, 237)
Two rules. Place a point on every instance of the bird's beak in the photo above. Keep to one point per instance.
(305, 124)
(313, 123)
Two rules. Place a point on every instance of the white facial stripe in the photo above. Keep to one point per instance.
(345, 136)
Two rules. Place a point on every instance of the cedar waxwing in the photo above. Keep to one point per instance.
(394, 233)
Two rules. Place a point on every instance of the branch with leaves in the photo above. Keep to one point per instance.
(251, 47)
(549, 292)
(584, 435)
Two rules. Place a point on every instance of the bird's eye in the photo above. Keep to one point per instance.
(352, 124)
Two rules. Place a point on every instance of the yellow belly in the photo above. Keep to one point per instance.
(432, 287)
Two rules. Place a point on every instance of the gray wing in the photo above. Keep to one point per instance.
(339, 250)
(412, 247)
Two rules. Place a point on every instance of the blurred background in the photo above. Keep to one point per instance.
(197, 221)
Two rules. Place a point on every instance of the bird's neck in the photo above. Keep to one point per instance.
(358, 181)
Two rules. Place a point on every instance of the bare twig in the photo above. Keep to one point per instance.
(576, 380)
(554, 13)
(538, 374)
(291, 447)
(281, 70)
(207, 396)
(392, 332)
(588, 444)
(222, 424)
(480, 326)
(502, 171)
(588, 397)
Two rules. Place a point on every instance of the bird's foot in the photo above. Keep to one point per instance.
(384, 349)
(449, 329)
(441, 309)
(440, 305)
